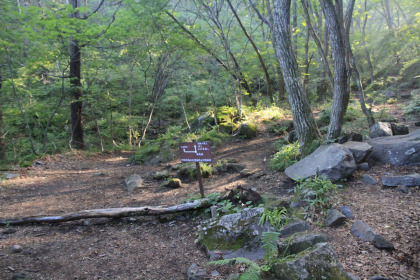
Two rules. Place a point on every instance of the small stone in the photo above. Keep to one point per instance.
(402, 189)
(16, 248)
(347, 212)
(378, 277)
(362, 230)
(292, 228)
(133, 181)
(246, 172)
(196, 273)
(9, 176)
(160, 175)
(214, 273)
(173, 183)
(364, 166)
(9, 231)
(21, 276)
(381, 243)
(352, 276)
(405, 180)
(369, 180)
(334, 218)
(127, 165)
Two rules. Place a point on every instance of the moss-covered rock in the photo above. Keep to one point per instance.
(188, 171)
(247, 130)
(160, 175)
(235, 235)
(318, 262)
(172, 183)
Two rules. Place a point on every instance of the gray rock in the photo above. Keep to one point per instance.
(299, 243)
(200, 121)
(406, 180)
(16, 249)
(133, 181)
(417, 124)
(195, 272)
(347, 212)
(160, 175)
(380, 129)
(246, 195)
(364, 166)
(381, 243)
(360, 150)
(397, 150)
(390, 94)
(294, 227)
(363, 231)
(399, 129)
(355, 137)
(320, 262)
(9, 231)
(378, 277)
(247, 130)
(333, 161)
(172, 183)
(22, 276)
(353, 277)
(246, 172)
(334, 218)
(235, 167)
(402, 189)
(235, 235)
(214, 273)
(9, 176)
(369, 180)
(415, 92)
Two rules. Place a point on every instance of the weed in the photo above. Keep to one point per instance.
(288, 155)
(277, 217)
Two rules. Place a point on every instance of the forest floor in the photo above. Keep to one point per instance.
(151, 248)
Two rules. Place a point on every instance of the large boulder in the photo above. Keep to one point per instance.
(411, 180)
(333, 161)
(299, 243)
(397, 150)
(380, 129)
(318, 262)
(247, 130)
(235, 235)
(201, 121)
(360, 150)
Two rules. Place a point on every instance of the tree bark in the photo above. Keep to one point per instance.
(2, 133)
(109, 213)
(77, 138)
(340, 94)
(303, 119)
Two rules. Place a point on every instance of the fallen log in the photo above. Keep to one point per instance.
(109, 213)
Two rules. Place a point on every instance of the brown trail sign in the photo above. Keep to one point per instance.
(196, 152)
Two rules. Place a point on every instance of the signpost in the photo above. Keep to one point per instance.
(196, 152)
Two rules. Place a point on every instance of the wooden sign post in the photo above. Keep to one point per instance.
(196, 152)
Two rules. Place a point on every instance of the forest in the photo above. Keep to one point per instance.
(306, 112)
(119, 75)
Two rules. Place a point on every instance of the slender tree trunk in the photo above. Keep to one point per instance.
(263, 66)
(77, 139)
(338, 50)
(2, 133)
(294, 26)
(303, 119)
(370, 67)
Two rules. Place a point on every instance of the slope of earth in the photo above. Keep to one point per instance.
(151, 248)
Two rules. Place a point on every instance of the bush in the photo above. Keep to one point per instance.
(288, 155)
(414, 106)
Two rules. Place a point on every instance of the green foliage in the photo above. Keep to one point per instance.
(213, 136)
(413, 107)
(269, 240)
(322, 189)
(253, 272)
(277, 217)
(288, 155)
(146, 152)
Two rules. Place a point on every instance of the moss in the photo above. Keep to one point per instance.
(189, 170)
(172, 183)
(213, 243)
(247, 130)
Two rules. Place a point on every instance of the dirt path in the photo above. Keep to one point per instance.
(146, 248)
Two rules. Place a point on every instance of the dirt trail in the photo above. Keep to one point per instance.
(147, 248)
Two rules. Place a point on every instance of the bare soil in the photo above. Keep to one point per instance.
(152, 248)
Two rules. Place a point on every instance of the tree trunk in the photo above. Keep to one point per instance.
(303, 119)
(263, 66)
(109, 213)
(77, 139)
(2, 133)
(370, 67)
(340, 94)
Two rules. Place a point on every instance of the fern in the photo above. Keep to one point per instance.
(269, 240)
(250, 275)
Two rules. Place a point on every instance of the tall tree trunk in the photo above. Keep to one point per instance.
(2, 133)
(338, 50)
(370, 67)
(303, 119)
(77, 139)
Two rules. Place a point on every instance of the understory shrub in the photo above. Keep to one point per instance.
(288, 155)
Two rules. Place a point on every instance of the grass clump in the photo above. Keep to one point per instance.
(213, 136)
(288, 155)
